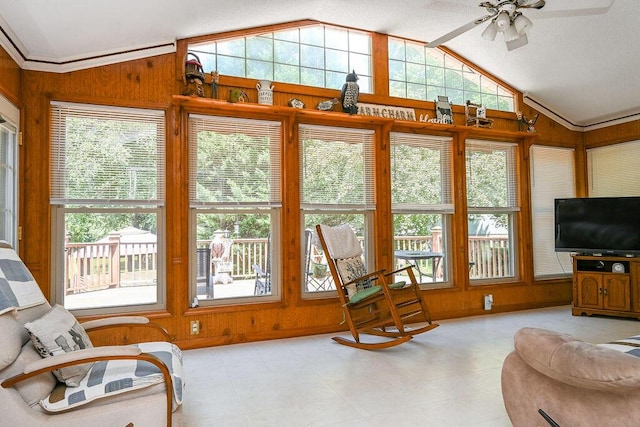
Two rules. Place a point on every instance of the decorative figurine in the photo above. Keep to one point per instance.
(528, 122)
(221, 259)
(215, 79)
(479, 119)
(238, 95)
(327, 105)
(265, 92)
(296, 103)
(193, 77)
(349, 94)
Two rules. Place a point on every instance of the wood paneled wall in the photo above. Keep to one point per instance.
(153, 82)
(10, 75)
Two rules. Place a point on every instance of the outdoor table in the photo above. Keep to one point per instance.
(414, 256)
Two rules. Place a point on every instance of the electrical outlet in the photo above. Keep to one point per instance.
(488, 302)
(195, 327)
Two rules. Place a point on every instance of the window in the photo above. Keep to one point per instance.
(9, 172)
(422, 204)
(235, 203)
(317, 55)
(336, 187)
(621, 158)
(107, 195)
(552, 177)
(418, 72)
(492, 204)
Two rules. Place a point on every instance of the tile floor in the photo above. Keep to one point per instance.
(449, 376)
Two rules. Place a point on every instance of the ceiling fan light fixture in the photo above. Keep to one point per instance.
(522, 24)
(510, 33)
(519, 42)
(490, 32)
(502, 21)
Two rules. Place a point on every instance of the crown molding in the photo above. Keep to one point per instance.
(26, 61)
(576, 127)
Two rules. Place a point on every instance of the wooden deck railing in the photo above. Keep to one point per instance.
(94, 266)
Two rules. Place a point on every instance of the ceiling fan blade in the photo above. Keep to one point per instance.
(560, 9)
(458, 31)
(530, 4)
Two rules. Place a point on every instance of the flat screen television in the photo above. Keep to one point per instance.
(598, 226)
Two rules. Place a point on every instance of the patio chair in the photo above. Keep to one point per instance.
(263, 281)
(371, 303)
(316, 270)
(263, 276)
(203, 273)
(52, 375)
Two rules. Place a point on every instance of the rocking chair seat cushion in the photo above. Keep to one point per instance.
(398, 285)
(367, 292)
(364, 294)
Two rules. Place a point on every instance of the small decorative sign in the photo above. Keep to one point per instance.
(442, 120)
(443, 110)
(386, 111)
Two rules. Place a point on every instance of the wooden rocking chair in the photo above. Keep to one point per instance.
(371, 304)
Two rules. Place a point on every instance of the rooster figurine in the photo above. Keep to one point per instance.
(349, 94)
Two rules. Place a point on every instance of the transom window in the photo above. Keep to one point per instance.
(317, 55)
(418, 72)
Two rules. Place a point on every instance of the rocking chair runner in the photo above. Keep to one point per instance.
(371, 304)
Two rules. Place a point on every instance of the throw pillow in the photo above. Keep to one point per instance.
(58, 332)
(349, 270)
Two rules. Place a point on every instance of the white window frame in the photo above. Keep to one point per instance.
(365, 206)
(511, 208)
(61, 203)
(271, 207)
(623, 159)
(444, 207)
(552, 177)
(9, 168)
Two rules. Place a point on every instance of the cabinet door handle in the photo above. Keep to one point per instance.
(605, 292)
(600, 291)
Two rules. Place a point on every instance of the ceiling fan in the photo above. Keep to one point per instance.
(507, 18)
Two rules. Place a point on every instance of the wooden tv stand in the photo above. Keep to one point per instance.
(606, 285)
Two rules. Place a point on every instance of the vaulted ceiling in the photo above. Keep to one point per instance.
(580, 65)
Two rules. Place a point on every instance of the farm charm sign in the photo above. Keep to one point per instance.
(386, 111)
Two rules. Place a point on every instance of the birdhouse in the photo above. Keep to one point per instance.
(193, 67)
(193, 76)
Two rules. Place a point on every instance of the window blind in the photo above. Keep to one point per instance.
(621, 158)
(234, 161)
(491, 176)
(336, 167)
(106, 155)
(421, 173)
(552, 177)
(8, 184)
